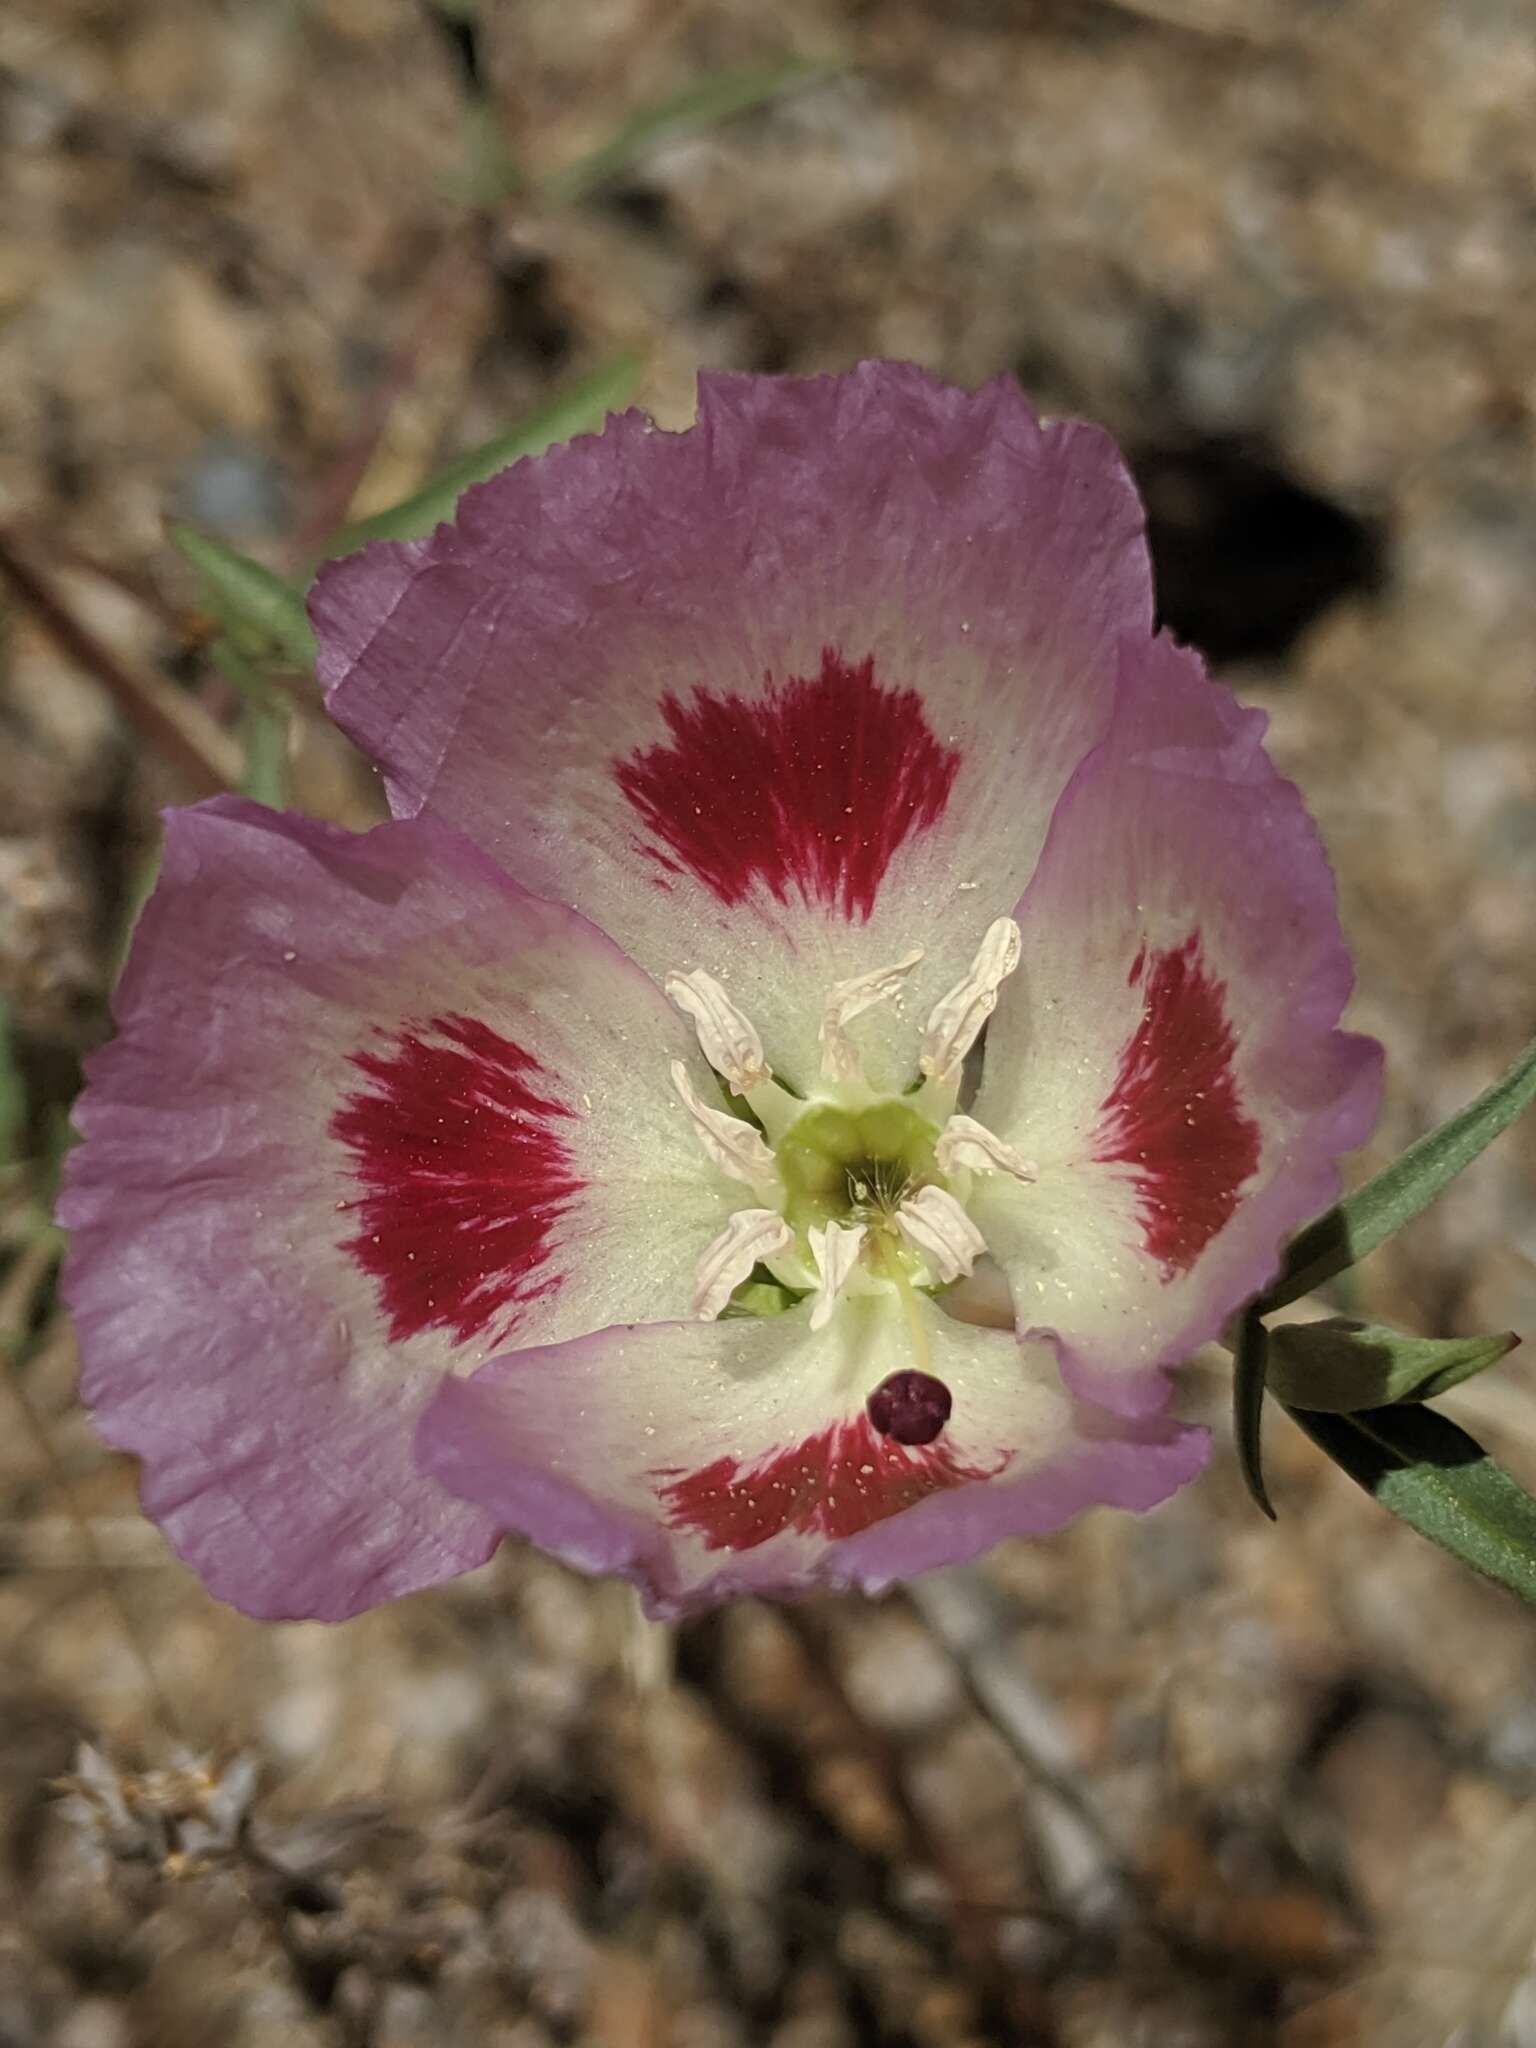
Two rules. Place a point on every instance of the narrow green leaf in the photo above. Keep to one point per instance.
(265, 718)
(1379, 1210)
(59, 1139)
(1249, 1371)
(717, 99)
(13, 1095)
(141, 886)
(579, 410)
(1338, 1367)
(264, 737)
(261, 611)
(1440, 1481)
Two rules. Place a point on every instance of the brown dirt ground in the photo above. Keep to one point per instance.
(1183, 1781)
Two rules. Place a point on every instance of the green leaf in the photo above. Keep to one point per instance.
(262, 613)
(1250, 1370)
(1379, 1210)
(1440, 1481)
(141, 886)
(265, 718)
(1338, 1367)
(580, 410)
(13, 1095)
(717, 99)
(59, 1139)
(264, 737)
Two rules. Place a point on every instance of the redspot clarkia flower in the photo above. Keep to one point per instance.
(821, 922)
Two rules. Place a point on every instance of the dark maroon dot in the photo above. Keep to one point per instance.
(912, 1407)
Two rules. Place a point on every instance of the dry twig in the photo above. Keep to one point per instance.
(205, 756)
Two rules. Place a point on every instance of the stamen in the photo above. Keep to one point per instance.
(933, 1223)
(836, 1252)
(957, 1018)
(849, 999)
(750, 1235)
(967, 1146)
(735, 1147)
(726, 1038)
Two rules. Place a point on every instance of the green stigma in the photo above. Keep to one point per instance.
(853, 1166)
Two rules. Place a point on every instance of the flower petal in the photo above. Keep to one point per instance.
(1166, 1051)
(778, 698)
(702, 1461)
(373, 1112)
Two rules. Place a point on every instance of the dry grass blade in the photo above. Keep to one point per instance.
(448, 285)
(23, 1284)
(1085, 1874)
(203, 755)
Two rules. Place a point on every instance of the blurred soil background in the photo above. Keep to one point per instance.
(1188, 1780)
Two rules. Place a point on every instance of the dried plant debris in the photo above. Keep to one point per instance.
(181, 1818)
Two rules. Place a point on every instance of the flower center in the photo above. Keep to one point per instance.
(848, 1195)
(844, 1166)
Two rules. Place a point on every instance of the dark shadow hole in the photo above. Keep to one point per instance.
(1246, 558)
(531, 323)
(639, 206)
(724, 294)
(459, 29)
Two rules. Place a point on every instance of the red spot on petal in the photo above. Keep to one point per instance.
(811, 786)
(1174, 1115)
(832, 1485)
(464, 1175)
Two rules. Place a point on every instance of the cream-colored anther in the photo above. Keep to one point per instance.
(967, 1146)
(957, 1018)
(934, 1224)
(849, 999)
(750, 1235)
(726, 1038)
(735, 1147)
(836, 1252)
